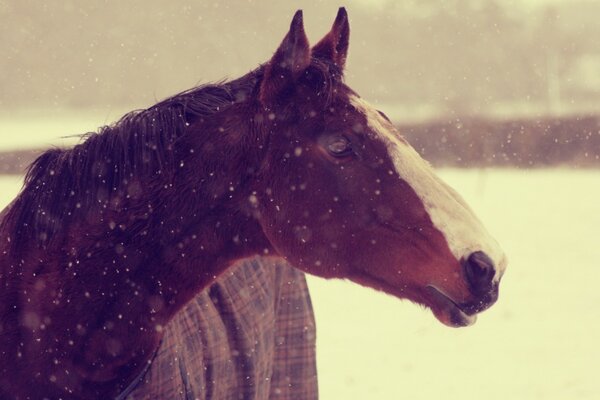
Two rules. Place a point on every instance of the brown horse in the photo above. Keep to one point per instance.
(108, 240)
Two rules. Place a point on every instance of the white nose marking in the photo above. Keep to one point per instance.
(462, 230)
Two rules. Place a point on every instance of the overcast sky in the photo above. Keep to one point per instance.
(527, 3)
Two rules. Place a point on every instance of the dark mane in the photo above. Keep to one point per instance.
(140, 144)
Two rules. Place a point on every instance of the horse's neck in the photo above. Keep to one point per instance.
(198, 229)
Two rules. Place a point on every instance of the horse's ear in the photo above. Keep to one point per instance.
(334, 46)
(290, 60)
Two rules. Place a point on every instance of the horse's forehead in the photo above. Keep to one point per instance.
(405, 160)
(382, 129)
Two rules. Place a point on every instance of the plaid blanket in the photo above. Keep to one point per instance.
(249, 336)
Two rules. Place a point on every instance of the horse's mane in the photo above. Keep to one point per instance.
(60, 181)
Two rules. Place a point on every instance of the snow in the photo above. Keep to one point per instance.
(42, 129)
(538, 342)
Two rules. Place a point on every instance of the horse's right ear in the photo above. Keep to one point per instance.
(289, 61)
(334, 46)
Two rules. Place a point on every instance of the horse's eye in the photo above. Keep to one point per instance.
(339, 146)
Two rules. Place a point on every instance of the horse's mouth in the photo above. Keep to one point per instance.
(446, 310)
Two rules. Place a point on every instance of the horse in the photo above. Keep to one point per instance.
(109, 239)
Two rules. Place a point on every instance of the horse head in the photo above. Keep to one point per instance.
(341, 194)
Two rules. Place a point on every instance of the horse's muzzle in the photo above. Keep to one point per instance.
(481, 302)
(480, 272)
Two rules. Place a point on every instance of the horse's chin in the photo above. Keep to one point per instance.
(447, 311)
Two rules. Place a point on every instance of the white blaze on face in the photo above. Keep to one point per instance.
(462, 230)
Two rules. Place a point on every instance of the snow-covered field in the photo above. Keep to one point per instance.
(540, 341)
(39, 129)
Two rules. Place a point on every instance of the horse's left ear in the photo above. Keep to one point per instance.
(334, 46)
(290, 60)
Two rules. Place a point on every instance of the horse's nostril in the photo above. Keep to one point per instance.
(480, 271)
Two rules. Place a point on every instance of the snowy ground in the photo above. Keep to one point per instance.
(538, 342)
(39, 129)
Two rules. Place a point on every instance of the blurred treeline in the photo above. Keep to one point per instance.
(472, 142)
(533, 142)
